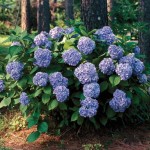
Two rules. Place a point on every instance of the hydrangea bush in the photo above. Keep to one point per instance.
(73, 75)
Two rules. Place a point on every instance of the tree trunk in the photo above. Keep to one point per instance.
(43, 15)
(25, 15)
(94, 13)
(144, 37)
(69, 9)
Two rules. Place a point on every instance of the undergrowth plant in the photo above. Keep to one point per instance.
(73, 77)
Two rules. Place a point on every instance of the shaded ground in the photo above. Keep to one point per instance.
(125, 139)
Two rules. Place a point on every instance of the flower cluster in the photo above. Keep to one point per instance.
(88, 107)
(86, 73)
(42, 40)
(69, 30)
(56, 33)
(91, 90)
(15, 69)
(57, 79)
(115, 52)
(2, 86)
(124, 71)
(86, 45)
(42, 57)
(107, 66)
(24, 99)
(137, 50)
(138, 66)
(105, 34)
(142, 78)
(72, 57)
(16, 43)
(61, 93)
(119, 102)
(40, 79)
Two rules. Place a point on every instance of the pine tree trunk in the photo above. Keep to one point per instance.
(69, 9)
(43, 15)
(144, 37)
(25, 15)
(94, 13)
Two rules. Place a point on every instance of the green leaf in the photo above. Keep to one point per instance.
(5, 102)
(22, 83)
(114, 80)
(45, 98)
(42, 127)
(75, 116)
(136, 100)
(62, 106)
(14, 50)
(34, 70)
(32, 121)
(23, 108)
(80, 120)
(37, 93)
(33, 136)
(47, 90)
(104, 86)
(103, 121)
(110, 113)
(53, 105)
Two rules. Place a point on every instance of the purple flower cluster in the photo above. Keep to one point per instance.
(42, 57)
(42, 40)
(137, 50)
(115, 52)
(15, 43)
(72, 57)
(40, 79)
(69, 30)
(86, 45)
(86, 73)
(142, 78)
(91, 90)
(88, 107)
(138, 66)
(56, 33)
(24, 99)
(107, 66)
(57, 79)
(62, 93)
(15, 69)
(120, 102)
(105, 34)
(2, 86)
(124, 71)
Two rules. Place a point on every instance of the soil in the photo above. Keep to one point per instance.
(122, 139)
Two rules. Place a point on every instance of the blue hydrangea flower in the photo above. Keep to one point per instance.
(86, 73)
(91, 90)
(86, 45)
(105, 34)
(42, 57)
(16, 43)
(107, 66)
(62, 93)
(138, 66)
(142, 78)
(137, 50)
(130, 59)
(56, 79)
(88, 107)
(72, 57)
(48, 45)
(41, 39)
(15, 69)
(124, 71)
(119, 102)
(69, 30)
(40, 79)
(56, 33)
(2, 86)
(115, 52)
(24, 99)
